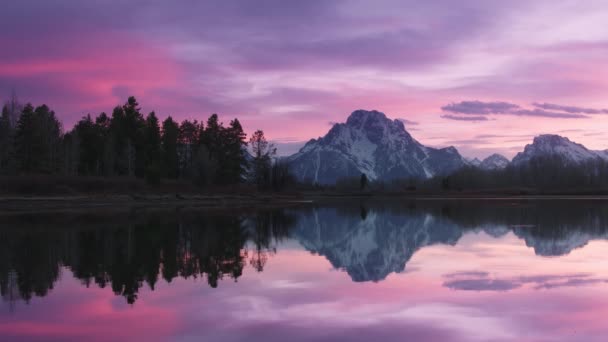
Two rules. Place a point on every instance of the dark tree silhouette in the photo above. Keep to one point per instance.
(261, 165)
(170, 134)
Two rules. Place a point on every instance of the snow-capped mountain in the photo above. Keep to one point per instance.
(374, 145)
(494, 162)
(474, 162)
(555, 145)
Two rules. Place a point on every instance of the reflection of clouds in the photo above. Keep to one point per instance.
(476, 324)
(467, 273)
(289, 284)
(481, 281)
(482, 284)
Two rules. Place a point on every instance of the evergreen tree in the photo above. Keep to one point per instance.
(189, 135)
(169, 142)
(212, 136)
(102, 126)
(152, 149)
(37, 140)
(90, 140)
(234, 163)
(6, 142)
(117, 144)
(134, 125)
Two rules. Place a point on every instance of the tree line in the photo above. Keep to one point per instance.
(549, 173)
(545, 173)
(542, 173)
(127, 143)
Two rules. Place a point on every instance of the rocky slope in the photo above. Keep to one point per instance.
(374, 145)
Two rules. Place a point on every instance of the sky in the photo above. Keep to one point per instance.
(483, 76)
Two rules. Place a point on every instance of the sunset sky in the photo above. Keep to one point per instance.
(484, 76)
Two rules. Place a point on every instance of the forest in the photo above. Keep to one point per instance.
(128, 144)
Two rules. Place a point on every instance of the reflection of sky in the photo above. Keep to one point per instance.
(299, 297)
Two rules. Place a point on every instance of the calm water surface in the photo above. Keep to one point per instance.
(360, 271)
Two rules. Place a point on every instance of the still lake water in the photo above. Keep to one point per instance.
(492, 270)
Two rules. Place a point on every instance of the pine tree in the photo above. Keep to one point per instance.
(117, 144)
(134, 125)
(188, 144)
(37, 140)
(90, 140)
(234, 163)
(169, 142)
(152, 149)
(6, 141)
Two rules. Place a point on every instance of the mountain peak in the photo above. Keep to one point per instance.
(475, 161)
(372, 144)
(494, 162)
(364, 118)
(552, 139)
(361, 116)
(557, 146)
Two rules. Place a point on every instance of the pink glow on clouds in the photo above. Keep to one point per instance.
(292, 68)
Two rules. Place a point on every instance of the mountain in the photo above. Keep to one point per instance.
(474, 162)
(494, 162)
(550, 145)
(374, 145)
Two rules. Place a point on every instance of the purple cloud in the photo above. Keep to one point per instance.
(464, 118)
(546, 114)
(482, 284)
(481, 281)
(569, 109)
(480, 108)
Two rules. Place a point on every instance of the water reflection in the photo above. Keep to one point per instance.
(368, 240)
(127, 255)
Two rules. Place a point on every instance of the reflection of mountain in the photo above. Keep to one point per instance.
(369, 247)
(369, 241)
(373, 247)
(550, 228)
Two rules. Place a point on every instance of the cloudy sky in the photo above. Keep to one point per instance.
(484, 76)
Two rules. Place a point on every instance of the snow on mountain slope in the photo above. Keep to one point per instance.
(555, 145)
(474, 162)
(372, 144)
(494, 162)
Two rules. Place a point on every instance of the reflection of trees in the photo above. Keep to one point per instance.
(126, 255)
(370, 239)
(29, 264)
(268, 229)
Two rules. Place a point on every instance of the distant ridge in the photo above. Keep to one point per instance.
(551, 145)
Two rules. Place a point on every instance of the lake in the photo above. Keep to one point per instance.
(355, 270)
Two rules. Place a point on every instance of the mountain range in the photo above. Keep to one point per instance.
(370, 143)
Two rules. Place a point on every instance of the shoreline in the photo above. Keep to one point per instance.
(30, 203)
